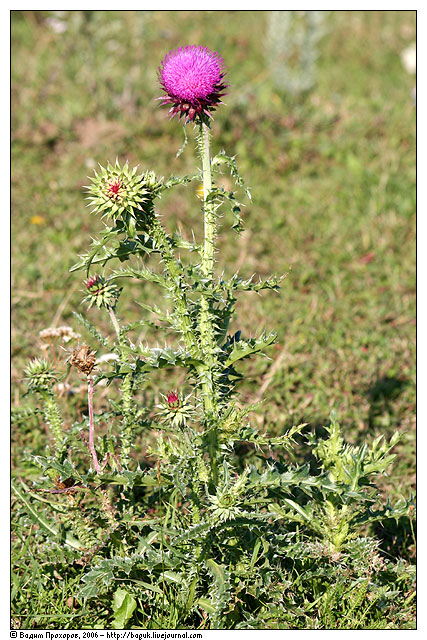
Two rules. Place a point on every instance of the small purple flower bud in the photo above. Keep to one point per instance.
(101, 292)
(173, 400)
(92, 283)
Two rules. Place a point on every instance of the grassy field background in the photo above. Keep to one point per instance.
(332, 174)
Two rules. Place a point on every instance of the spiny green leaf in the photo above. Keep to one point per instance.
(221, 592)
(243, 349)
(142, 273)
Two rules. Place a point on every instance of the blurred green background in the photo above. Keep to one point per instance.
(320, 113)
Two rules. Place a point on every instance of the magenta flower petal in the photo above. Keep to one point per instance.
(192, 78)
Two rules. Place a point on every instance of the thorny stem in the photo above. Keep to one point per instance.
(205, 322)
(53, 419)
(108, 509)
(92, 424)
(209, 222)
(127, 432)
(127, 429)
(159, 480)
(207, 336)
(80, 525)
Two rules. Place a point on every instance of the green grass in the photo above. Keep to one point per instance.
(333, 184)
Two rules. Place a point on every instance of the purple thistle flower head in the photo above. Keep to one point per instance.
(192, 78)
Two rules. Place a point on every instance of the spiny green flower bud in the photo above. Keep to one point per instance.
(230, 422)
(176, 410)
(119, 190)
(101, 292)
(151, 181)
(40, 375)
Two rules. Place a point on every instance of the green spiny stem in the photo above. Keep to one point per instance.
(127, 429)
(195, 506)
(92, 425)
(80, 525)
(108, 509)
(54, 420)
(206, 321)
(213, 454)
(209, 215)
(126, 388)
(207, 335)
(195, 515)
(200, 474)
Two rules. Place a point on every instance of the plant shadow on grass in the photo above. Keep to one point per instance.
(397, 539)
(382, 395)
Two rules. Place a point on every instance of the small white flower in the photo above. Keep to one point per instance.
(409, 58)
(107, 357)
(57, 26)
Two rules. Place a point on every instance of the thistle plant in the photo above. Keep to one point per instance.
(41, 377)
(210, 535)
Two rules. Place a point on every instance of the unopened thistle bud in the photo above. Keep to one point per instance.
(100, 292)
(151, 182)
(175, 410)
(230, 422)
(117, 190)
(40, 375)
